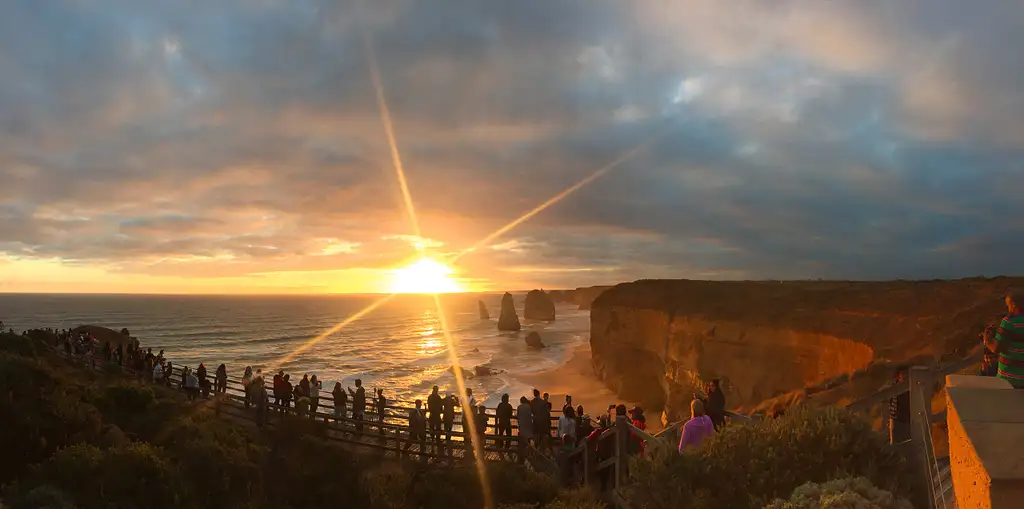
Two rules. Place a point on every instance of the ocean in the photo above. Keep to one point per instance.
(399, 346)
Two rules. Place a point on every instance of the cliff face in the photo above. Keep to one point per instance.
(659, 341)
(582, 297)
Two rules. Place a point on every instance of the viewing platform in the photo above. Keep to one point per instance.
(986, 429)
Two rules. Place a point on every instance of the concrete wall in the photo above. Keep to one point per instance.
(986, 442)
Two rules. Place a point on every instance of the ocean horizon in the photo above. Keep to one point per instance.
(399, 346)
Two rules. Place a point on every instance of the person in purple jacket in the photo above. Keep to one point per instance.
(697, 428)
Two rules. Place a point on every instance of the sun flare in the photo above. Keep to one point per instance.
(424, 276)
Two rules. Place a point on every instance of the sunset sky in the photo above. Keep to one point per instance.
(186, 146)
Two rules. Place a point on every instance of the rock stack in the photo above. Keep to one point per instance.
(533, 340)
(484, 315)
(508, 320)
(539, 306)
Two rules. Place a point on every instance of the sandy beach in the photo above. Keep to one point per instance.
(577, 378)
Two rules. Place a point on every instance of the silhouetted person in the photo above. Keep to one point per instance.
(358, 404)
(315, 385)
(286, 392)
(448, 415)
(541, 421)
(503, 421)
(340, 400)
(524, 420)
(716, 403)
(435, 405)
(278, 386)
(417, 427)
(221, 379)
(204, 382)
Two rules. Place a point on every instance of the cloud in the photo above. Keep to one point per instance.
(797, 138)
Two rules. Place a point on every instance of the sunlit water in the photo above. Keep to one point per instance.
(399, 347)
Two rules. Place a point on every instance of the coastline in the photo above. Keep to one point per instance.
(576, 377)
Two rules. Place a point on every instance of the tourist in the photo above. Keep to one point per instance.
(568, 403)
(636, 445)
(247, 385)
(301, 401)
(480, 426)
(278, 379)
(472, 401)
(158, 374)
(566, 467)
(168, 373)
(503, 422)
(608, 418)
(304, 385)
(358, 404)
(286, 393)
(524, 420)
(221, 379)
(899, 411)
(697, 428)
(715, 404)
(541, 421)
(583, 425)
(567, 423)
(191, 385)
(448, 415)
(989, 364)
(417, 428)
(1008, 342)
(435, 406)
(262, 402)
(381, 406)
(340, 400)
(314, 395)
(204, 383)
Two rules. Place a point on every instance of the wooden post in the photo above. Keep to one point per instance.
(920, 379)
(586, 462)
(621, 450)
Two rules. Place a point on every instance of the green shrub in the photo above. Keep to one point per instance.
(459, 486)
(26, 346)
(748, 466)
(133, 476)
(849, 493)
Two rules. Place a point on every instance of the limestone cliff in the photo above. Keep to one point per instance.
(657, 341)
(582, 296)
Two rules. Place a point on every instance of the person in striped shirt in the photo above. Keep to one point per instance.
(1008, 342)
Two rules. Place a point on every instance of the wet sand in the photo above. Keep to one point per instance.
(577, 378)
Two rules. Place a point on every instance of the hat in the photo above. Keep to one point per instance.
(636, 410)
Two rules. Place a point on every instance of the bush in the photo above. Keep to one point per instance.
(133, 476)
(459, 486)
(748, 466)
(846, 493)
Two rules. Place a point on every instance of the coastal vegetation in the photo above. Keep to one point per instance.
(82, 438)
(750, 466)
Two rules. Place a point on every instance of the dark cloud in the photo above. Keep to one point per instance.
(240, 137)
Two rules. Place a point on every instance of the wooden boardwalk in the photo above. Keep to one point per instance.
(602, 463)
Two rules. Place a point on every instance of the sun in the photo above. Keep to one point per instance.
(424, 276)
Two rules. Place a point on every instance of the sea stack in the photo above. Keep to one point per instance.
(533, 340)
(509, 320)
(484, 315)
(539, 306)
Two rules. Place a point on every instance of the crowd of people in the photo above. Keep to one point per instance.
(432, 424)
